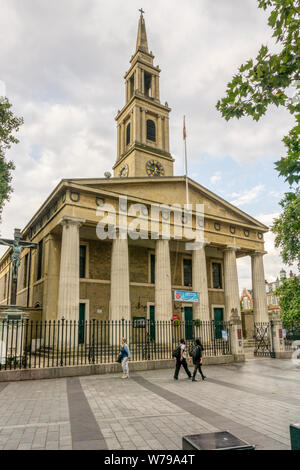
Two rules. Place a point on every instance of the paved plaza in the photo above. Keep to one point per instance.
(256, 401)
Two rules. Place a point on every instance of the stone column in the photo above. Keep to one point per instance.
(236, 337)
(137, 124)
(200, 309)
(157, 87)
(259, 287)
(119, 140)
(119, 283)
(143, 126)
(278, 345)
(232, 297)
(153, 87)
(163, 288)
(127, 88)
(51, 275)
(122, 138)
(68, 291)
(143, 81)
(159, 133)
(167, 140)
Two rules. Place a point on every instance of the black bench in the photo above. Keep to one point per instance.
(223, 440)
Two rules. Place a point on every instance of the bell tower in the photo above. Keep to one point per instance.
(143, 123)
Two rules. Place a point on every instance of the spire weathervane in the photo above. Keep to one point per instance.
(142, 11)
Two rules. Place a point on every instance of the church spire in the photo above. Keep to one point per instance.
(141, 42)
(143, 123)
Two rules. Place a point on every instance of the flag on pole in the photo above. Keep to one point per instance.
(186, 166)
(184, 129)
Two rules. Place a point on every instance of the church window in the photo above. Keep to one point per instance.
(25, 271)
(40, 260)
(217, 275)
(128, 134)
(82, 261)
(151, 131)
(187, 272)
(152, 268)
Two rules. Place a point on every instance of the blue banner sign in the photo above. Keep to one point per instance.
(186, 296)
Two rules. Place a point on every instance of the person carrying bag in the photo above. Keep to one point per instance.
(125, 357)
(196, 355)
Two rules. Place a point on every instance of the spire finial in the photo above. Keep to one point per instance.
(142, 43)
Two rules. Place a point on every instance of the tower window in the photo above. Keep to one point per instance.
(147, 83)
(131, 81)
(151, 131)
(128, 134)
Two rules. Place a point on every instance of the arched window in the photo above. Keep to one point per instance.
(128, 134)
(151, 131)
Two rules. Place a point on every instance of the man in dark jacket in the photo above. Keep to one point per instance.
(197, 359)
(181, 361)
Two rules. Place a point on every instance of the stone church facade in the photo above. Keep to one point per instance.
(73, 274)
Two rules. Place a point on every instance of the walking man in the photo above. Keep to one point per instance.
(196, 355)
(181, 361)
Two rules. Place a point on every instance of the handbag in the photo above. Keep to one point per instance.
(119, 360)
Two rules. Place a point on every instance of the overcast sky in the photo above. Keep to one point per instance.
(62, 67)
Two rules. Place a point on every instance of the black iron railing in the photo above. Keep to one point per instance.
(38, 344)
(263, 336)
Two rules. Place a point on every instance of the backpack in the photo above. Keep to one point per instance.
(176, 352)
(193, 351)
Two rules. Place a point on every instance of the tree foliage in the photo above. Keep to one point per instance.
(289, 300)
(8, 125)
(265, 80)
(287, 228)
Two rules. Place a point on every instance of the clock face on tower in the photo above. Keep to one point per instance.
(154, 168)
(123, 173)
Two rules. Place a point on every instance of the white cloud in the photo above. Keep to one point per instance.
(216, 177)
(272, 260)
(63, 65)
(247, 196)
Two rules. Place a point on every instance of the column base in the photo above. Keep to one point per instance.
(239, 357)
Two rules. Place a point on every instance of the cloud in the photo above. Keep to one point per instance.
(272, 260)
(63, 65)
(247, 196)
(216, 177)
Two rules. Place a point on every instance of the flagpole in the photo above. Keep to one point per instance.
(186, 166)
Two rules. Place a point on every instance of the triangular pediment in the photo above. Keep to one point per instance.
(172, 190)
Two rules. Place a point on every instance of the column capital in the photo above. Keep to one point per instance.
(66, 220)
(232, 248)
(258, 253)
(193, 246)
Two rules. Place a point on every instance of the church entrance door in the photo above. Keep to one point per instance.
(152, 322)
(81, 324)
(218, 318)
(188, 321)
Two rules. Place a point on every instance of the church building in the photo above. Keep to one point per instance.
(74, 274)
